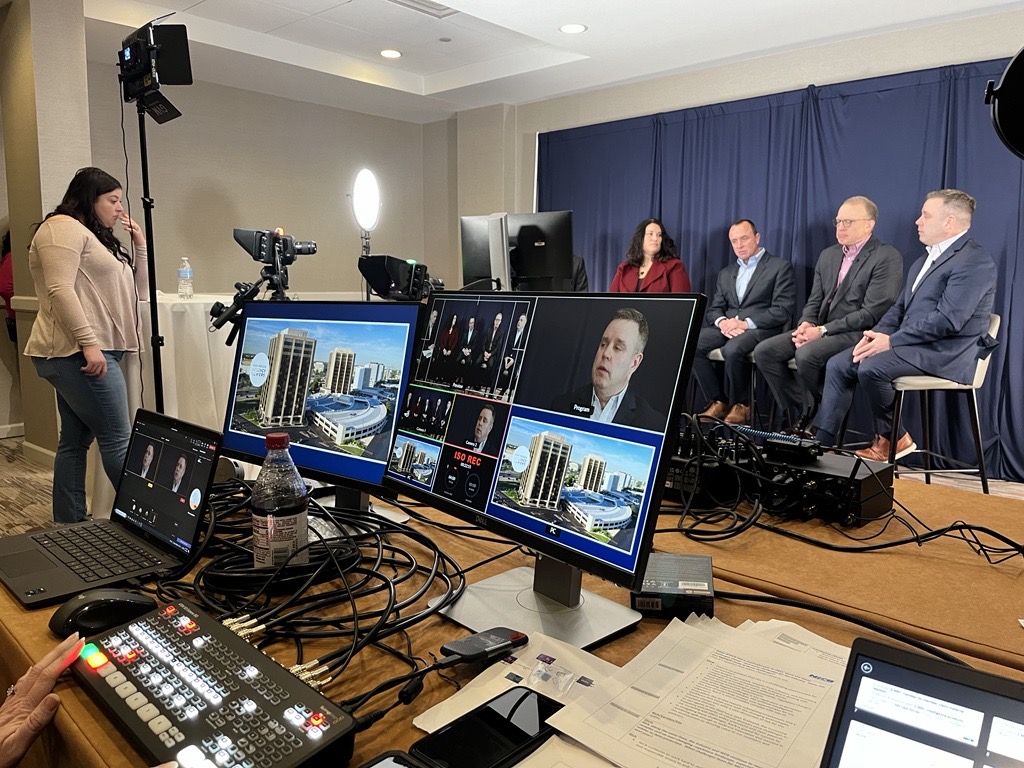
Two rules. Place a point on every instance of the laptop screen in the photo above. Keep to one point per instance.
(902, 708)
(165, 480)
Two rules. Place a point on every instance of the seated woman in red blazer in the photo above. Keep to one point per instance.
(652, 264)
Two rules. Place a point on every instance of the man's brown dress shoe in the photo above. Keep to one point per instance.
(738, 414)
(717, 410)
(879, 450)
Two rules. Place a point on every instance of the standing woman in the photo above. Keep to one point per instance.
(652, 264)
(88, 285)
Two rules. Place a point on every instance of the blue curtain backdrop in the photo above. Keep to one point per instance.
(787, 161)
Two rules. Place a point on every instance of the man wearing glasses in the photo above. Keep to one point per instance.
(855, 282)
(937, 327)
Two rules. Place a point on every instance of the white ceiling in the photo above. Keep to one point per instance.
(483, 52)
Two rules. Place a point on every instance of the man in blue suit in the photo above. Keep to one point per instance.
(754, 300)
(937, 327)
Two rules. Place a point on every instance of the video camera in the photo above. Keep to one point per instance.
(273, 247)
(276, 250)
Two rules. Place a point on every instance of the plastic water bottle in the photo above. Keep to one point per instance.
(184, 279)
(279, 514)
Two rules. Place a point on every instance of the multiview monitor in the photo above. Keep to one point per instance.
(543, 417)
(327, 373)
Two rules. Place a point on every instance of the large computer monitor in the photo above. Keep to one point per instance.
(540, 250)
(327, 373)
(550, 420)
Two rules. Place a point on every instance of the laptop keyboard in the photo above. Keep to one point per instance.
(96, 552)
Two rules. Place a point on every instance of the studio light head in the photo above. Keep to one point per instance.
(152, 56)
(1007, 101)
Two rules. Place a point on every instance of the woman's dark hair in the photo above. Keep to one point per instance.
(635, 254)
(79, 203)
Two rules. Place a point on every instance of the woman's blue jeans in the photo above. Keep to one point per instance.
(89, 408)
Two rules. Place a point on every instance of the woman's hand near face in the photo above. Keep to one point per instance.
(132, 228)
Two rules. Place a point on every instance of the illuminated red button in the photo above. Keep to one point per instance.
(317, 718)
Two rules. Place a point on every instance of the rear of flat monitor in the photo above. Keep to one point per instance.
(540, 250)
(501, 428)
(330, 375)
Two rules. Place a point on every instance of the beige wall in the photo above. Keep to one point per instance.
(46, 138)
(243, 159)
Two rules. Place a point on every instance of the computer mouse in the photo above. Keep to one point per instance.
(97, 610)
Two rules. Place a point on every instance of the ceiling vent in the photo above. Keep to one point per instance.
(436, 10)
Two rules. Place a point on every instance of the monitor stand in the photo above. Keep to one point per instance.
(546, 599)
(351, 498)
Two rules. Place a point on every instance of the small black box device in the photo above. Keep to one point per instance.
(675, 586)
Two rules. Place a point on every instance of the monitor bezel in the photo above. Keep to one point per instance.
(279, 307)
(545, 546)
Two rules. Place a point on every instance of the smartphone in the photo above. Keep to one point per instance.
(497, 734)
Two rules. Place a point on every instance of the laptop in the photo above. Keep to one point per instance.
(899, 708)
(154, 526)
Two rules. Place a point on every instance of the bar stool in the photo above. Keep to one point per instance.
(926, 384)
(715, 355)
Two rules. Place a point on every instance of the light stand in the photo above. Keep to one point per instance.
(156, 341)
(140, 78)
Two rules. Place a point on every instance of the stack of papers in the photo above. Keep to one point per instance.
(701, 695)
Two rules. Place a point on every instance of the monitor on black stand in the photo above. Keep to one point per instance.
(550, 423)
(541, 250)
(330, 375)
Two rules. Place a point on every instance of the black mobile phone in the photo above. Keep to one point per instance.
(497, 734)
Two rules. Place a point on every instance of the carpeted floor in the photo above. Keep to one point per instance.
(25, 490)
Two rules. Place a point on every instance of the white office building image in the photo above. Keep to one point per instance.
(347, 417)
(340, 367)
(591, 476)
(597, 511)
(283, 395)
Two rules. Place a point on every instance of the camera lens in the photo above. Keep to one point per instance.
(304, 247)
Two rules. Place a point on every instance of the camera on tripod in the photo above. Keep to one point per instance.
(273, 247)
(276, 251)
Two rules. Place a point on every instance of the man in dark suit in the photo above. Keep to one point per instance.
(608, 398)
(580, 284)
(482, 427)
(754, 299)
(466, 356)
(490, 354)
(427, 344)
(937, 327)
(855, 282)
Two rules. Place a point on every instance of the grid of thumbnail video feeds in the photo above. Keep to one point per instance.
(547, 412)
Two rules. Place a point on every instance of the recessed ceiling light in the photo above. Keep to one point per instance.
(572, 29)
(391, 53)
